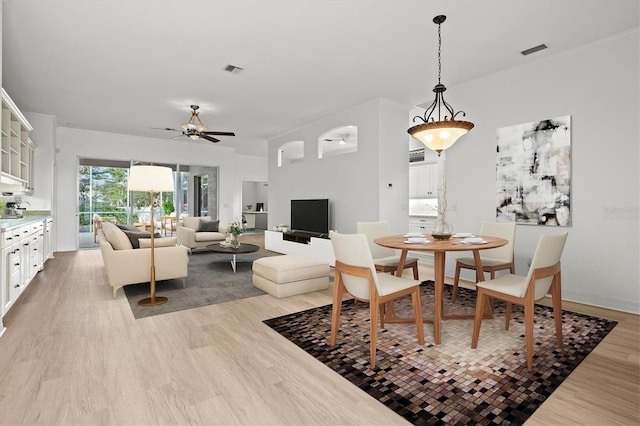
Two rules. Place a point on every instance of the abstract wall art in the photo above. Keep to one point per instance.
(533, 173)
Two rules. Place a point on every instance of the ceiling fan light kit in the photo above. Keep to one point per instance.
(195, 128)
(194, 122)
(442, 133)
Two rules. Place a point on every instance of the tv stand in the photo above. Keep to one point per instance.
(296, 237)
(309, 244)
(303, 237)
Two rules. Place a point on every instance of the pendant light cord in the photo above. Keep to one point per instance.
(439, 53)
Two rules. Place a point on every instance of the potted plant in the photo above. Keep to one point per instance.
(234, 229)
(249, 207)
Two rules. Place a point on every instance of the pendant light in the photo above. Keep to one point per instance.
(439, 129)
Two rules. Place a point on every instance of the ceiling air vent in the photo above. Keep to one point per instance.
(416, 155)
(534, 49)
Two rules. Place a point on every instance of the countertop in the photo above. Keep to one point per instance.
(8, 224)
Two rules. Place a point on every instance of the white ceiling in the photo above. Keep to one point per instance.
(127, 66)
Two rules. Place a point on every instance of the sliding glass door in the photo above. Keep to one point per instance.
(103, 190)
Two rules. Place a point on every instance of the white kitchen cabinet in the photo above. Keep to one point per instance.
(421, 224)
(11, 267)
(23, 255)
(16, 148)
(35, 239)
(48, 234)
(423, 181)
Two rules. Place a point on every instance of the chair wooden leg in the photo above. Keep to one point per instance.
(507, 316)
(417, 313)
(373, 330)
(481, 300)
(556, 294)
(528, 331)
(338, 292)
(456, 278)
(415, 271)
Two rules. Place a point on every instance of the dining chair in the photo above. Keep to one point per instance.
(493, 260)
(384, 258)
(544, 277)
(355, 274)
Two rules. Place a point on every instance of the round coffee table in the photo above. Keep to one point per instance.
(242, 249)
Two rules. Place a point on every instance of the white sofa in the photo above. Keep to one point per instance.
(126, 265)
(189, 235)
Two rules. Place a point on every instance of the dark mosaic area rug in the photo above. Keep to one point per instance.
(210, 280)
(449, 383)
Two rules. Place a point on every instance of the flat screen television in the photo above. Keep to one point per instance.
(310, 216)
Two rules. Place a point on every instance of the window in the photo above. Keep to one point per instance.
(291, 152)
(338, 141)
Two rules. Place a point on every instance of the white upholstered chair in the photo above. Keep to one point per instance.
(493, 259)
(543, 277)
(355, 274)
(385, 259)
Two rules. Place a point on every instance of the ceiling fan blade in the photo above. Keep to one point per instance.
(165, 128)
(219, 133)
(209, 138)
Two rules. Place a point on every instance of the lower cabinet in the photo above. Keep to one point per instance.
(421, 224)
(23, 254)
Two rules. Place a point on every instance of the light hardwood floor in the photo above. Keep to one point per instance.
(74, 355)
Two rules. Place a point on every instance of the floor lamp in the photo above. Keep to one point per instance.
(154, 179)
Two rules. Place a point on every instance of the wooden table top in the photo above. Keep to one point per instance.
(452, 244)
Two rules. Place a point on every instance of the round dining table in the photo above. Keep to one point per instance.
(439, 249)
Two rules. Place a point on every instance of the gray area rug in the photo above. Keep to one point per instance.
(211, 280)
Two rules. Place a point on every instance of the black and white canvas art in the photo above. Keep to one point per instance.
(533, 173)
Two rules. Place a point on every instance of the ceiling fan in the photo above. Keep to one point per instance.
(195, 129)
(342, 139)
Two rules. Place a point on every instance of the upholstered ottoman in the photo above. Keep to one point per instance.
(290, 274)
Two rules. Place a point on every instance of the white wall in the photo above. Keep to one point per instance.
(42, 135)
(74, 143)
(352, 182)
(393, 161)
(598, 86)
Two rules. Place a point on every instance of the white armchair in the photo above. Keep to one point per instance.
(192, 232)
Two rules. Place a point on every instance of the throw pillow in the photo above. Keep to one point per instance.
(191, 222)
(208, 226)
(128, 227)
(116, 237)
(134, 237)
(158, 242)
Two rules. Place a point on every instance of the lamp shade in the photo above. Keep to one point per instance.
(440, 135)
(151, 178)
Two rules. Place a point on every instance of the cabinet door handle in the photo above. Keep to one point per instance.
(16, 286)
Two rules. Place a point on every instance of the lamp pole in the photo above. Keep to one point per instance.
(153, 300)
